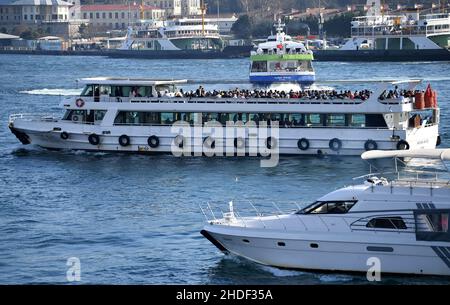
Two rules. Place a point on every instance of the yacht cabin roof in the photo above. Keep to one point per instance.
(130, 81)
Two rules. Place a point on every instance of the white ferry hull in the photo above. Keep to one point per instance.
(48, 135)
(331, 255)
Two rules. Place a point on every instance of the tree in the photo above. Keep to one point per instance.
(242, 28)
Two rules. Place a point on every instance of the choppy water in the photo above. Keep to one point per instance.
(135, 219)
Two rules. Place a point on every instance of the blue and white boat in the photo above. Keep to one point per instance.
(281, 60)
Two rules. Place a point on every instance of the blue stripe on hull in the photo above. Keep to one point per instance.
(303, 79)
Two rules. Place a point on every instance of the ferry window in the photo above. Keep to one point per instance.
(328, 207)
(259, 66)
(314, 120)
(71, 113)
(357, 120)
(375, 120)
(297, 119)
(254, 117)
(183, 116)
(387, 223)
(105, 90)
(88, 91)
(432, 225)
(127, 117)
(116, 91)
(99, 115)
(224, 118)
(167, 118)
(336, 120)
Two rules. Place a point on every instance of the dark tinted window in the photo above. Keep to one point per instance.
(328, 207)
(387, 223)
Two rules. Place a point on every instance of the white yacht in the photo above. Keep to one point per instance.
(141, 115)
(403, 223)
(181, 34)
(281, 60)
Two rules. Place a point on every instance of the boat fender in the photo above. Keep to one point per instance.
(303, 144)
(153, 141)
(370, 145)
(271, 142)
(239, 142)
(402, 145)
(209, 142)
(79, 102)
(124, 140)
(335, 144)
(94, 139)
(438, 141)
(179, 141)
(64, 135)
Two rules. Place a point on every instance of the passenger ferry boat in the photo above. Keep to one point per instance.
(173, 35)
(281, 60)
(405, 35)
(399, 225)
(138, 115)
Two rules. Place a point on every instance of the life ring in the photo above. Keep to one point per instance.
(402, 145)
(94, 139)
(271, 142)
(239, 142)
(438, 141)
(303, 144)
(153, 141)
(370, 145)
(79, 102)
(209, 142)
(335, 144)
(179, 141)
(124, 140)
(64, 135)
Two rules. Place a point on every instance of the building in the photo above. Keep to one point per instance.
(118, 16)
(224, 23)
(171, 7)
(178, 7)
(50, 16)
(191, 8)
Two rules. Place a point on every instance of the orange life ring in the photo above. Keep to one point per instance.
(79, 102)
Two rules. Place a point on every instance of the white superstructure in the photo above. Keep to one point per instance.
(401, 224)
(138, 115)
(173, 35)
(405, 30)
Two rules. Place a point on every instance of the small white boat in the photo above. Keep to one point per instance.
(281, 60)
(403, 223)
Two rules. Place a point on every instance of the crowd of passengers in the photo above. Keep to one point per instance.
(259, 93)
(396, 93)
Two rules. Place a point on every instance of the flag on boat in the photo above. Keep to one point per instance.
(280, 46)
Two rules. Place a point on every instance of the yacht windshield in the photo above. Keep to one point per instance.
(328, 207)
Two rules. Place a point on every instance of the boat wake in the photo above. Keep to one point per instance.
(281, 272)
(60, 92)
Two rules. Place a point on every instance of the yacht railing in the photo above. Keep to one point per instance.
(43, 117)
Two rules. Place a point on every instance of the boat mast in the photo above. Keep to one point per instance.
(202, 7)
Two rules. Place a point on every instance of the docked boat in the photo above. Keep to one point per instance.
(144, 115)
(407, 35)
(177, 38)
(400, 225)
(281, 60)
